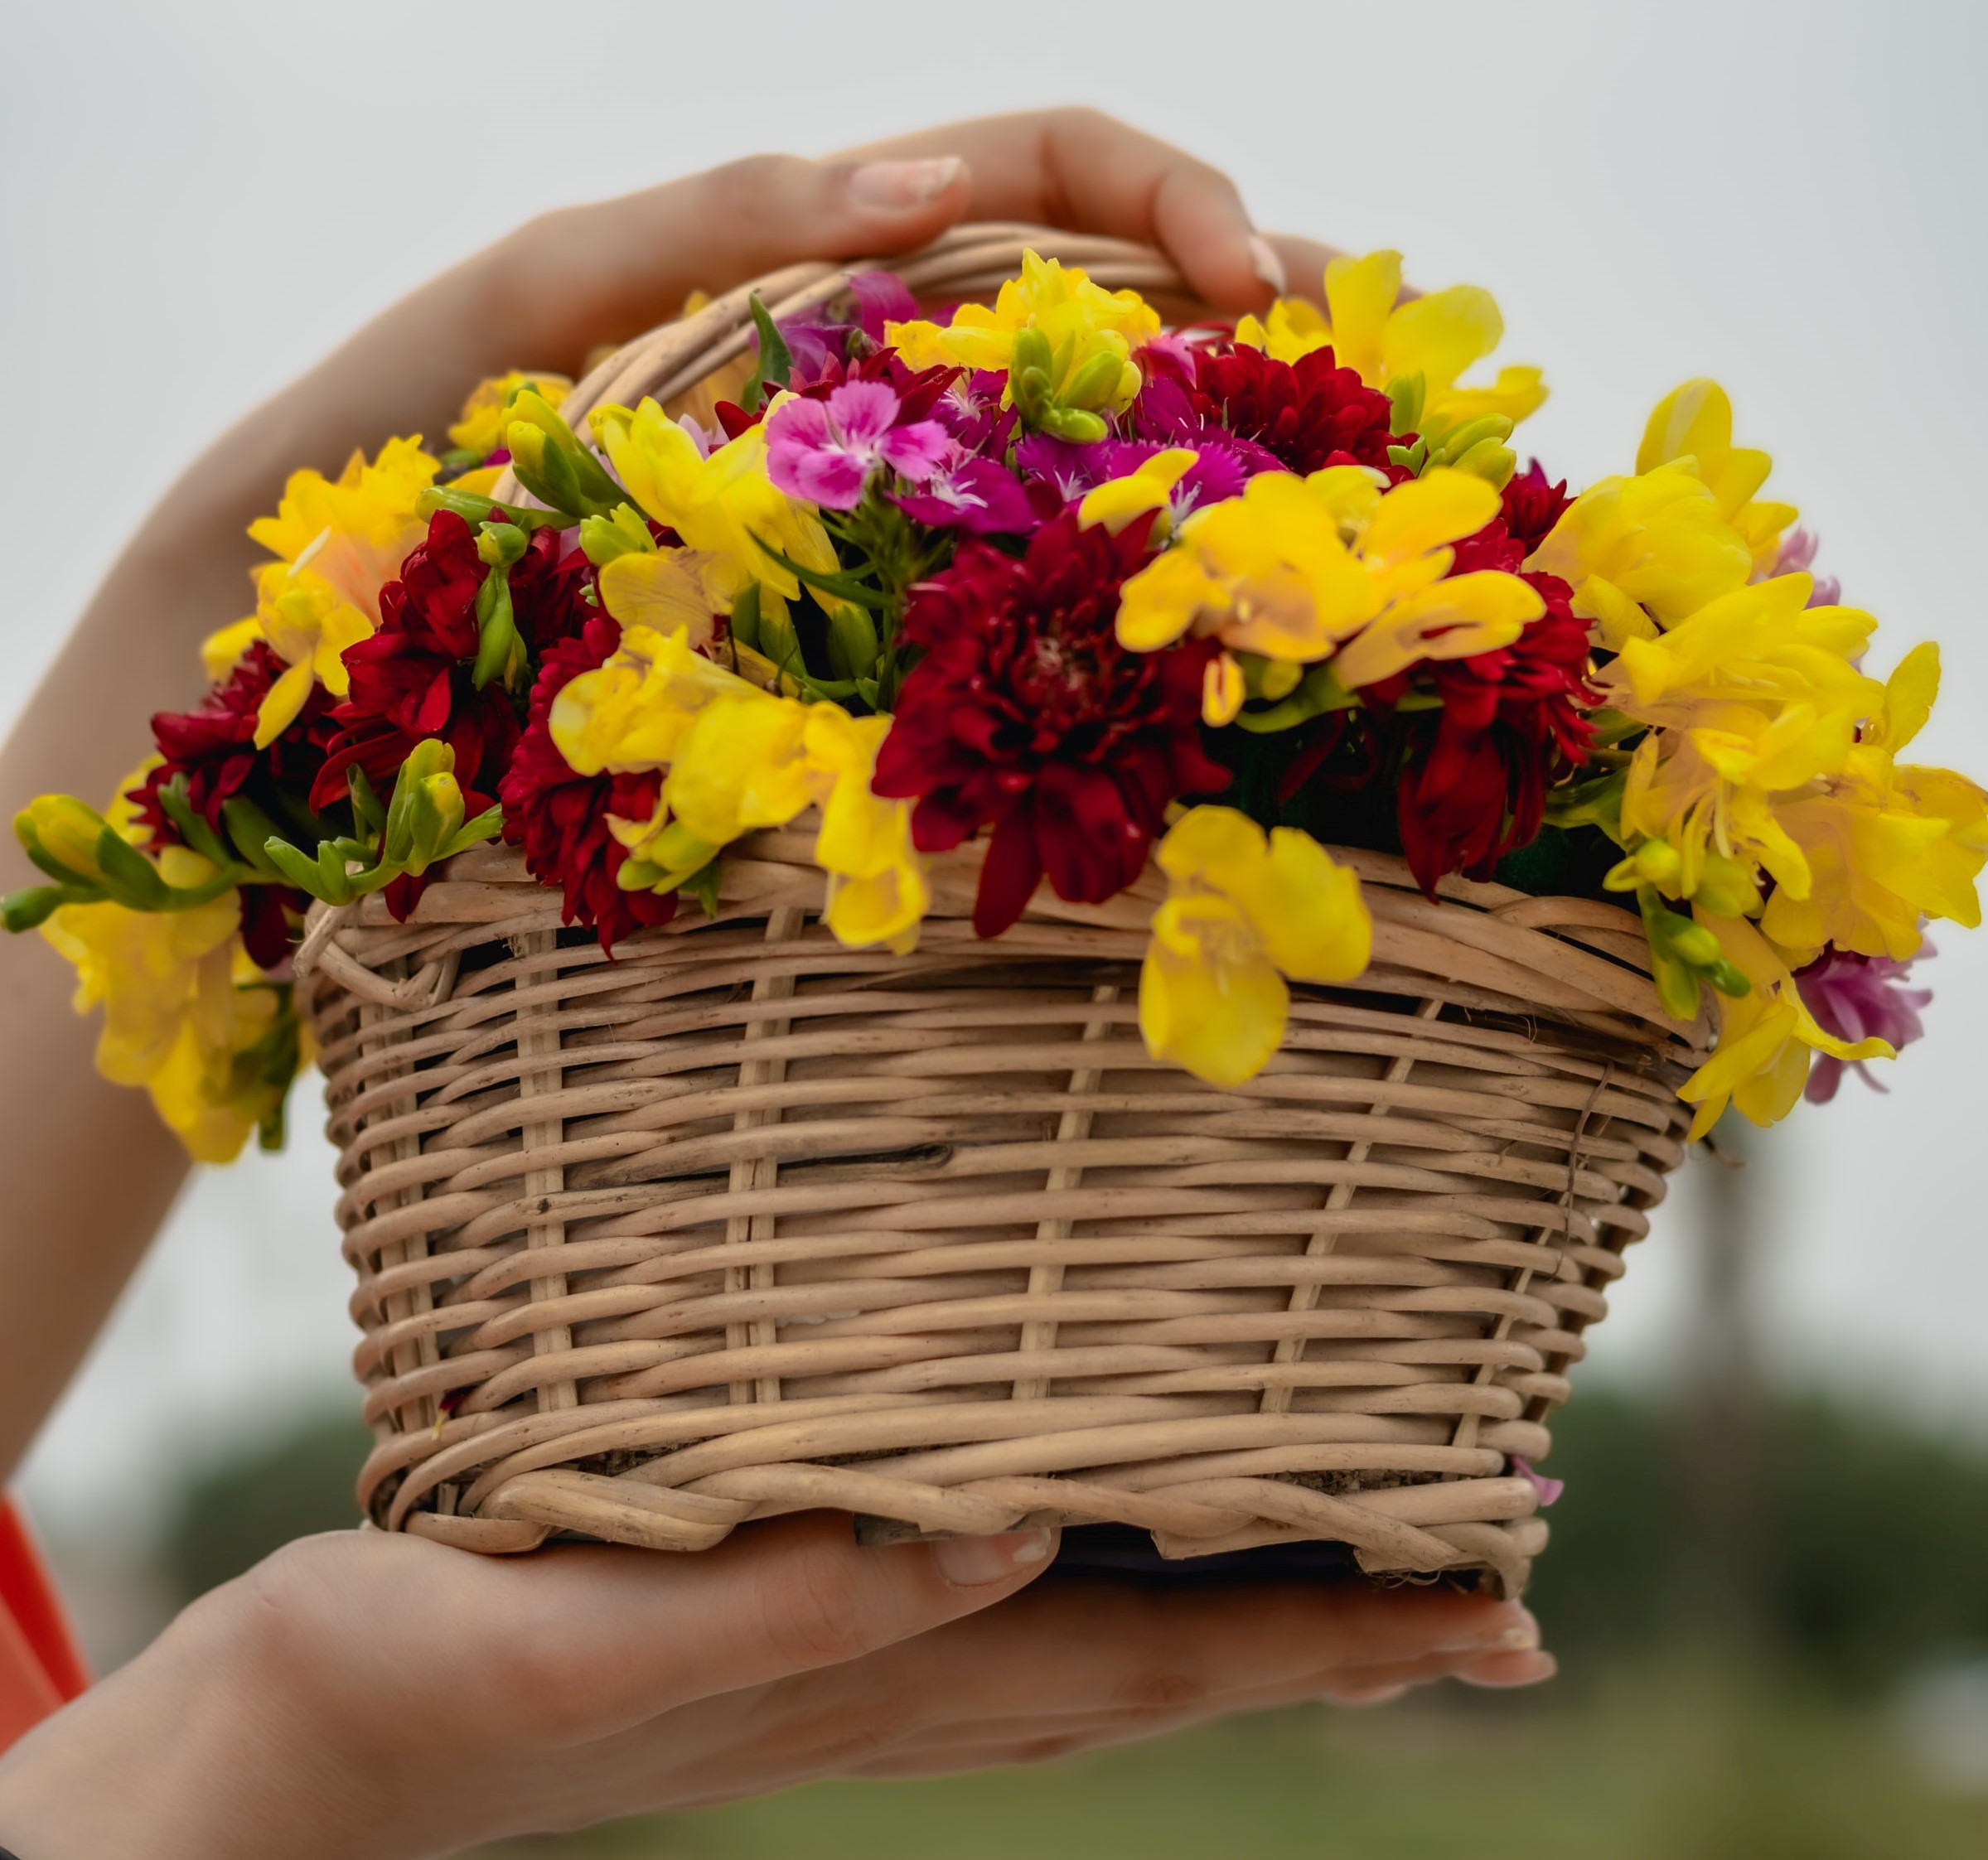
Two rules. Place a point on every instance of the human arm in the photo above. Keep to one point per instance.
(86, 1171)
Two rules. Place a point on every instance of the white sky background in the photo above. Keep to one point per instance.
(203, 198)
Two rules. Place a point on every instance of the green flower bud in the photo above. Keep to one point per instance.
(1073, 425)
(1095, 383)
(1490, 460)
(1408, 394)
(1696, 945)
(603, 539)
(1459, 440)
(61, 835)
(499, 545)
(1726, 887)
(411, 810)
(500, 650)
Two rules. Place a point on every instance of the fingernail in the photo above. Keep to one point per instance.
(1502, 1671)
(901, 186)
(1378, 1695)
(968, 1562)
(1269, 267)
(1519, 1634)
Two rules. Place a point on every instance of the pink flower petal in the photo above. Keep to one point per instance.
(833, 480)
(1550, 1490)
(915, 452)
(863, 412)
(798, 422)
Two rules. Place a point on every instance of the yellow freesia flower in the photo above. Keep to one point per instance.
(664, 589)
(1083, 324)
(174, 1017)
(1884, 846)
(1767, 1036)
(1632, 548)
(1695, 422)
(1243, 909)
(878, 888)
(1302, 569)
(724, 506)
(486, 412)
(1438, 337)
(358, 528)
(308, 625)
(1752, 699)
(739, 758)
(339, 542)
(1148, 486)
(632, 711)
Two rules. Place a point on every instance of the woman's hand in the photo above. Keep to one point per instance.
(86, 1171)
(365, 1697)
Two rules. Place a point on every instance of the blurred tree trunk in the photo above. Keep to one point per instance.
(1724, 1433)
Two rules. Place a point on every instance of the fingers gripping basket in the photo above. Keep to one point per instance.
(743, 1222)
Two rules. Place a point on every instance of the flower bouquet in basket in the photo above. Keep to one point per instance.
(937, 895)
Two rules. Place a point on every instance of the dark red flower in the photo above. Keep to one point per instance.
(1026, 715)
(1532, 507)
(411, 680)
(1303, 415)
(1474, 774)
(560, 818)
(214, 746)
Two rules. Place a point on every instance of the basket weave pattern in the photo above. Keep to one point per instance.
(741, 1222)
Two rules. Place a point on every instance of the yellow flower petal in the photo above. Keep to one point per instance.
(1206, 1002)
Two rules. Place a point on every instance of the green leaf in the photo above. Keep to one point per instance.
(194, 830)
(745, 617)
(843, 587)
(852, 640)
(775, 365)
(306, 874)
(251, 830)
(366, 810)
(702, 886)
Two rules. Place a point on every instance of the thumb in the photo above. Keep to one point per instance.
(623, 265)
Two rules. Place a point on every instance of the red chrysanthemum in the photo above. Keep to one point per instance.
(1531, 507)
(1304, 415)
(214, 747)
(560, 817)
(1474, 774)
(1026, 715)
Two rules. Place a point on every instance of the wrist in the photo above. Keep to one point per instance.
(193, 1752)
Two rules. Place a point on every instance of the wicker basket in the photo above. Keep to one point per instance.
(741, 1222)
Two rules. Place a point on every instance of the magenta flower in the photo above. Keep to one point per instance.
(824, 451)
(1855, 997)
(975, 495)
(820, 347)
(1219, 471)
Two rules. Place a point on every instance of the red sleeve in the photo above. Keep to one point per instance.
(41, 1666)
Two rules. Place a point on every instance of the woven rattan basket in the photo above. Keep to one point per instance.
(741, 1222)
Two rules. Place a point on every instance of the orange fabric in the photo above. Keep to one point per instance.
(41, 1666)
